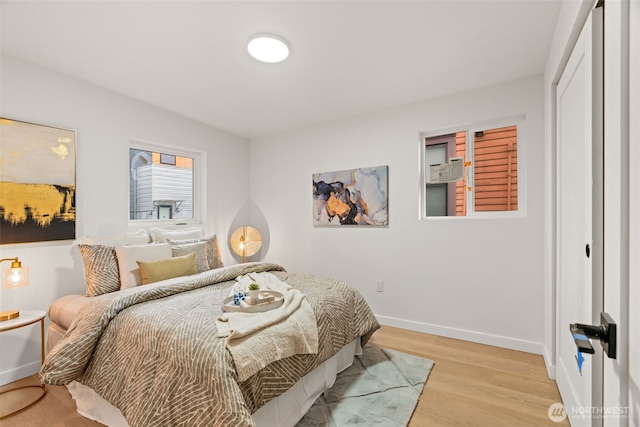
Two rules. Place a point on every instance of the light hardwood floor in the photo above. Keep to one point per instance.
(470, 385)
(474, 384)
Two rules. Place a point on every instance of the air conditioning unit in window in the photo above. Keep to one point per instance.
(451, 171)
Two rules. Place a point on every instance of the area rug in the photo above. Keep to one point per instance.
(381, 388)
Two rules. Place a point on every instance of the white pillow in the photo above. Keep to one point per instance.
(132, 238)
(129, 255)
(161, 235)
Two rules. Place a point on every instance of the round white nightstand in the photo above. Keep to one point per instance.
(27, 317)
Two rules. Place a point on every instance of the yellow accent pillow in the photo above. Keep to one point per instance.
(168, 268)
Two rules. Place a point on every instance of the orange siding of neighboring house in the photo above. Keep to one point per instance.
(496, 170)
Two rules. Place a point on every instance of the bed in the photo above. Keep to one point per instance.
(165, 353)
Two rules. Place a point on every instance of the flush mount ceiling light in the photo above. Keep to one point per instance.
(268, 48)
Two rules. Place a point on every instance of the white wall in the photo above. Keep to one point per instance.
(476, 279)
(105, 122)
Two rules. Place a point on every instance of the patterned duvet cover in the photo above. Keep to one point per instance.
(153, 351)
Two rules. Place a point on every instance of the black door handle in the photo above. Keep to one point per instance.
(605, 333)
(581, 339)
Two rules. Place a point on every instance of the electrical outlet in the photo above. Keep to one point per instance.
(379, 286)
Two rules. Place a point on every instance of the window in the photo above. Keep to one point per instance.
(473, 172)
(162, 183)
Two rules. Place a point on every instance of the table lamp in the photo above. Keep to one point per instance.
(14, 277)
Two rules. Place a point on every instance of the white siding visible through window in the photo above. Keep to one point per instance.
(161, 189)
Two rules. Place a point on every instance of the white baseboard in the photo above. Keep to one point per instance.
(549, 362)
(462, 334)
(19, 373)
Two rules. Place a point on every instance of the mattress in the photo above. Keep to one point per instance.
(61, 313)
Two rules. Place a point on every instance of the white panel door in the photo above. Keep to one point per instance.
(579, 222)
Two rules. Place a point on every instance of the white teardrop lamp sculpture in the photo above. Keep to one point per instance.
(246, 241)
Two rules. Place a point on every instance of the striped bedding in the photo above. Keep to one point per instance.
(153, 352)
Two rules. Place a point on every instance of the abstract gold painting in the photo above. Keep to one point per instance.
(37, 182)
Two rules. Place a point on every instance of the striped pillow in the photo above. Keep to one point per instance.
(100, 269)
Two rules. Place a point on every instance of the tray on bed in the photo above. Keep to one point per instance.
(229, 306)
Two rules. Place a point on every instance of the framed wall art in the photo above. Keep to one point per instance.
(351, 197)
(37, 182)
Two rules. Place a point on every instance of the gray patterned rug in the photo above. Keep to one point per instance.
(381, 388)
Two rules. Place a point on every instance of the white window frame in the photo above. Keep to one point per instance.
(199, 178)
(520, 123)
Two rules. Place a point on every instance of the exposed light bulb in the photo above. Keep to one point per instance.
(15, 277)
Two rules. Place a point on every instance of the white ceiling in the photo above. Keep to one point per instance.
(347, 57)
